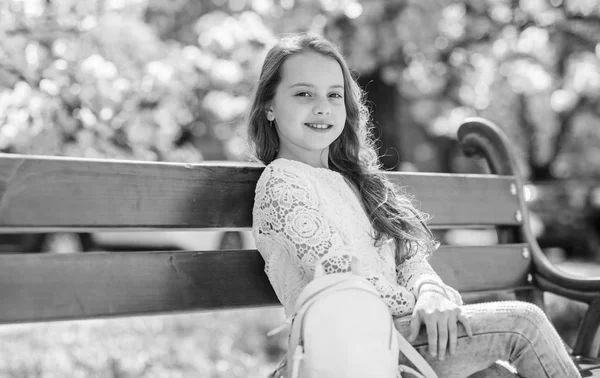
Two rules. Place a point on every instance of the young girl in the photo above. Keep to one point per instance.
(322, 197)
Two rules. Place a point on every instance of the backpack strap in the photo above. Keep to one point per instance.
(413, 356)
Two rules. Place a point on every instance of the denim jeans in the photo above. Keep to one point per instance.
(512, 331)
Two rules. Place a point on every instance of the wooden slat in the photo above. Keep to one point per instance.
(482, 268)
(78, 286)
(63, 193)
(462, 200)
(49, 287)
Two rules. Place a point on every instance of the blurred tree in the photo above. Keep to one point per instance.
(531, 66)
(91, 78)
(155, 79)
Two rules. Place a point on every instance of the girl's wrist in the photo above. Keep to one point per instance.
(432, 288)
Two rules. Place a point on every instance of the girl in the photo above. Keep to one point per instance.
(322, 197)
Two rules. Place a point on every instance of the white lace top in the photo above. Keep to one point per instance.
(304, 214)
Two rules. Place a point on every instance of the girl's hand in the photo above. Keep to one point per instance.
(440, 316)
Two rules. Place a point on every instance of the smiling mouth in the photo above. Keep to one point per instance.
(319, 126)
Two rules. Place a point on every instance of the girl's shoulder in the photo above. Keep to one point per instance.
(293, 168)
(284, 169)
(300, 174)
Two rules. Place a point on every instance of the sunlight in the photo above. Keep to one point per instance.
(32, 8)
(353, 10)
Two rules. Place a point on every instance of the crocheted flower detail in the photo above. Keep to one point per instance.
(305, 226)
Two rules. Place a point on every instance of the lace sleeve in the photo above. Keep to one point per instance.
(287, 215)
(286, 212)
(416, 271)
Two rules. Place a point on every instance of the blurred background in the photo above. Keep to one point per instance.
(170, 80)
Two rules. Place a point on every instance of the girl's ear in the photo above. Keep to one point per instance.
(270, 114)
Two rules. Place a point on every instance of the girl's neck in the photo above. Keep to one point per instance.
(317, 161)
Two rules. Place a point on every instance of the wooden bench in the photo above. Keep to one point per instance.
(48, 194)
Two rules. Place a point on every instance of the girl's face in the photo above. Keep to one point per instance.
(308, 107)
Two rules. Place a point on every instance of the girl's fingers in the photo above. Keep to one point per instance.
(442, 338)
(465, 322)
(415, 326)
(432, 335)
(452, 335)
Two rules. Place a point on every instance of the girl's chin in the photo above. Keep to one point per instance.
(318, 147)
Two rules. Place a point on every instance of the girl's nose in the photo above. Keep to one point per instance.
(322, 108)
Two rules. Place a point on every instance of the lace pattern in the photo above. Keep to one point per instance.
(303, 215)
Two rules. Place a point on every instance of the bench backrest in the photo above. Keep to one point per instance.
(63, 194)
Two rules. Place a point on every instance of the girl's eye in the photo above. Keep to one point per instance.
(303, 94)
(336, 95)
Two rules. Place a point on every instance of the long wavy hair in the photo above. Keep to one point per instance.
(391, 210)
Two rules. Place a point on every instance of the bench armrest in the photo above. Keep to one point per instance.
(479, 137)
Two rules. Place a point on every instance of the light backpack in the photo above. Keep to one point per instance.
(341, 328)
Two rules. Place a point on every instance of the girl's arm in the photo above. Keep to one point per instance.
(287, 217)
(417, 275)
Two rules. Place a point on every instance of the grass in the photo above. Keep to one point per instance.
(212, 345)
